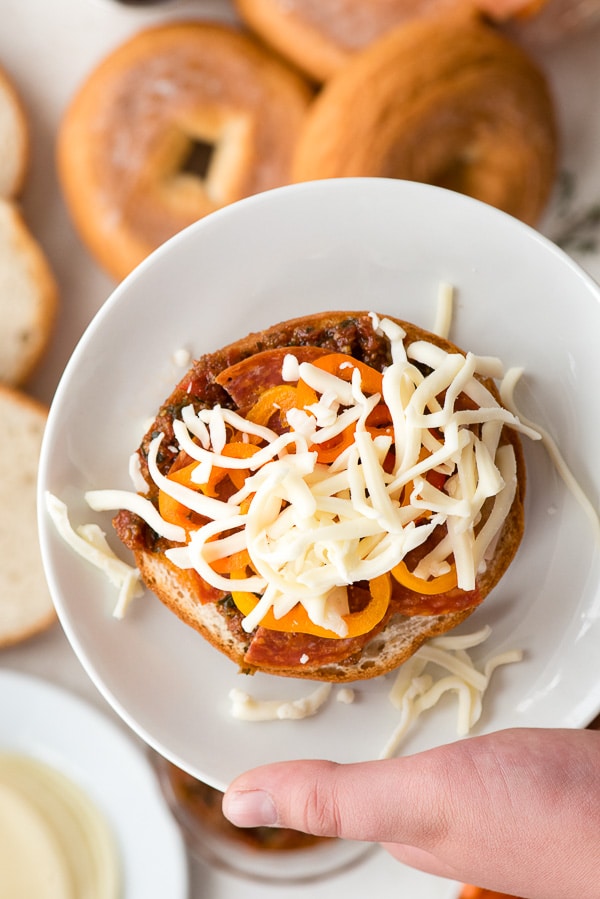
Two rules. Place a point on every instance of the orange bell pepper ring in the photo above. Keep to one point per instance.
(431, 587)
(275, 399)
(237, 450)
(175, 512)
(235, 562)
(297, 620)
(342, 365)
(172, 510)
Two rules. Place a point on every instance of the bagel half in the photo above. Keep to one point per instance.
(215, 379)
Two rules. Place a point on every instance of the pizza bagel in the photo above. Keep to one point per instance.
(320, 498)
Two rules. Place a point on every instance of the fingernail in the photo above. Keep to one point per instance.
(250, 808)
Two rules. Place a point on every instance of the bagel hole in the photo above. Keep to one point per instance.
(198, 158)
(453, 177)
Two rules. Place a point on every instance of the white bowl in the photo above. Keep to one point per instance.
(350, 244)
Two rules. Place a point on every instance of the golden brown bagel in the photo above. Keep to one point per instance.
(451, 103)
(127, 139)
(14, 139)
(28, 297)
(320, 36)
(554, 21)
(410, 619)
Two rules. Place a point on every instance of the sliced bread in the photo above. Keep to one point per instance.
(25, 604)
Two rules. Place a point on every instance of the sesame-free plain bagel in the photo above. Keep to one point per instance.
(321, 36)
(177, 122)
(449, 102)
(28, 297)
(14, 138)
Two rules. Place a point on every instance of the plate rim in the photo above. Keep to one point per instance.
(41, 743)
(587, 710)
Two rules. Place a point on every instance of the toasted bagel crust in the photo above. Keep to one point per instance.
(401, 635)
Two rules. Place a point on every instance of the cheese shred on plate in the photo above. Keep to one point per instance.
(442, 666)
(89, 541)
(417, 688)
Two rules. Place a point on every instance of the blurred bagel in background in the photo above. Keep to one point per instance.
(28, 298)
(321, 36)
(28, 302)
(446, 101)
(552, 21)
(14, 139)
(178, 121)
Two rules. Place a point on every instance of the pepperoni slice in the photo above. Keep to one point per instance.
(246, 380)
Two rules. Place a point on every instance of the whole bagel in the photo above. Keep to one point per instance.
(29, 297)
(14, 139)
(320, 36)
(129, 141)
(451, 103)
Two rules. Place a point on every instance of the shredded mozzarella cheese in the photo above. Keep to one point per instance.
(416, 689)
(89, 542)
(444, 311)
(442, 665)
(246, 708)
(507, 390)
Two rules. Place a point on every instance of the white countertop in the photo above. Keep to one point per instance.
(48, 46)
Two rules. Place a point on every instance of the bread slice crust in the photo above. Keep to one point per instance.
(26, 607)
(219, 622)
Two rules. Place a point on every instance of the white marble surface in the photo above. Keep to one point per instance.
(48, 46)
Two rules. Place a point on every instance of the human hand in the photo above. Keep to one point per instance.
(516, 811)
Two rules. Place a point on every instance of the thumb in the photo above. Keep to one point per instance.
(351, 801)
(516, 810)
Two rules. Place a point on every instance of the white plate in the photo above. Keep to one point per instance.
(45, 722)
(355, 244)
